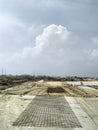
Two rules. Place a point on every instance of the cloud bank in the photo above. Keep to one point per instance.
(58, 37)
(54, 53)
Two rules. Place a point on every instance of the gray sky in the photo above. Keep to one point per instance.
(49, 37)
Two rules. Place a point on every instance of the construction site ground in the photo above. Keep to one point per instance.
(77, 106)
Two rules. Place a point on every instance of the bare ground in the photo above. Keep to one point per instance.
(41, 87)
(15, 99)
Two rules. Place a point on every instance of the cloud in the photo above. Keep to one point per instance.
(56, 37)
(56, 51)
(48, 53)
(52, 39)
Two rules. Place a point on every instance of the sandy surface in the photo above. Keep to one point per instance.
(40, 88)
(11, 106)
(90, 90)
(14, 100)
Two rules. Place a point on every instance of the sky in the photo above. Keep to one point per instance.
(49, 37)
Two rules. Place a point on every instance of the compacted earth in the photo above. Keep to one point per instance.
(75, 104)
(50, 88)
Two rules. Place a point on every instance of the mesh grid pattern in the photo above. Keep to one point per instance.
(48, 111)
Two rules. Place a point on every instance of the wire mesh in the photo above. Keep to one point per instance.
(48, 111)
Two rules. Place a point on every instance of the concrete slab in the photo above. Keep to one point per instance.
(85, 119)
(90, 106)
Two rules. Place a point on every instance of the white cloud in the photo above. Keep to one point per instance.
(53, 39)
(53, 53)
(48, 53)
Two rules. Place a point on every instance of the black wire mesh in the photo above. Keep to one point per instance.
(48, 111)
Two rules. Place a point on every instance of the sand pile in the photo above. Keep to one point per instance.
(10, 108)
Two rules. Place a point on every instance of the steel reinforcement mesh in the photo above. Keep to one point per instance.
(48, 111)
